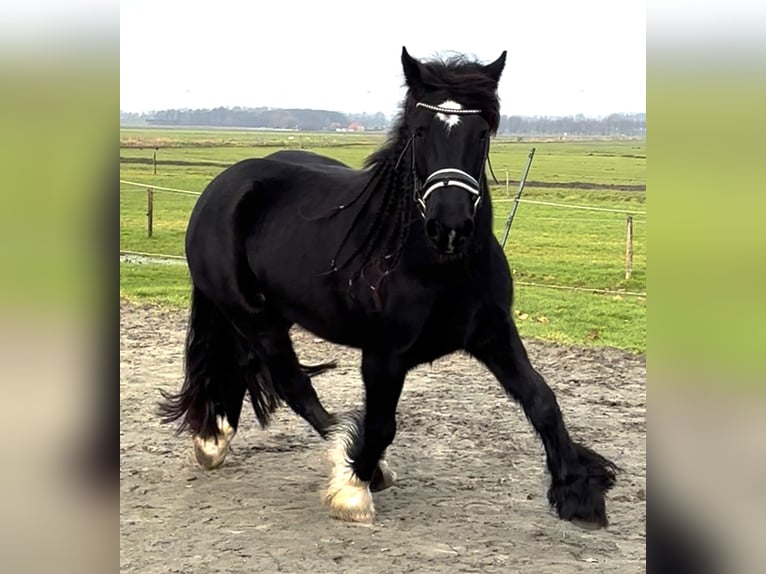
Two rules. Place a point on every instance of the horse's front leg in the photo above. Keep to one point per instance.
(579, 476)
(360, 441)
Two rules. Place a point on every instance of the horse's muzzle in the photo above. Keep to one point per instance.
(448, 239)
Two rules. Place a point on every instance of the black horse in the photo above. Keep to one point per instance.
(397, 259)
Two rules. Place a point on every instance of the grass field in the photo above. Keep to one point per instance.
(547, 246)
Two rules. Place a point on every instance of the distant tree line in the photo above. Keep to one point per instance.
(611, 125)
(274, 118)
(324, 120)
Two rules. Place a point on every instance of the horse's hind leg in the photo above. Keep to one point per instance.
(227, 393)
(218, 364)
(292, 383)
(290, 380)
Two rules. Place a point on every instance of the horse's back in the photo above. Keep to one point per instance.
(255, 226)
(306, 158)
(285, 180)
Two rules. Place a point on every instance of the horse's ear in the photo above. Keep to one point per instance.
(412, 70)
(495, 69)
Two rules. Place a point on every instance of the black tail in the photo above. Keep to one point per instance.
(220, 366)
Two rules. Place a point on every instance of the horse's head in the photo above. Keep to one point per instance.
(451, 111)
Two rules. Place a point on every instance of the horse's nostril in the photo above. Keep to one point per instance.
(467, 227)
(432, 229)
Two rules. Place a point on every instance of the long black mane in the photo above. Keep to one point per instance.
(392, 179)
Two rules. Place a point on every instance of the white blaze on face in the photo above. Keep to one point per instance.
(451, 241)
(450, 120)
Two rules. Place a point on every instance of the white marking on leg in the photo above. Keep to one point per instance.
(450, 120)
(385, 479)
(347, 496)
(211, 452)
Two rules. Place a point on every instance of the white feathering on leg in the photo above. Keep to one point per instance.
(347, 496)
(384, 479)
(211, 452)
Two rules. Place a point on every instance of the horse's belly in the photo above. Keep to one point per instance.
(326, 320)
(316, 302)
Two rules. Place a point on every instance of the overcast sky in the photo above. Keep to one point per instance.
(564, 57)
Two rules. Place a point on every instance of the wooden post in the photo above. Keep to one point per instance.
(154, 160)
(507, 183)
(149, 211)
(522, 183)
(629, 248)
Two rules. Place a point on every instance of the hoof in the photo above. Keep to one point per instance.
(581, 499)
(383, 477)
(349, 499)
(580, 503)
(586, 525)
(211, 452)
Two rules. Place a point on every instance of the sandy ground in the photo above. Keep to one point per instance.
(470, 494)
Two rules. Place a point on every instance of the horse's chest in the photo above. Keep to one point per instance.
(430, 327)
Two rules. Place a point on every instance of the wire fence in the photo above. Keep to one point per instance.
(152, 255)
(569, 206)
(160, 188)
(152, 188)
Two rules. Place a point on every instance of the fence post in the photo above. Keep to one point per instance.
(507, 184)
(149, 211)
(154, 160)
(629, 248)
(522, 183)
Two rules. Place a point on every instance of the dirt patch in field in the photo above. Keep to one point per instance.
(470, 496)
(581, 185)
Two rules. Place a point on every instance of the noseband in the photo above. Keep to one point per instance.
(447, 177)
(444, 178)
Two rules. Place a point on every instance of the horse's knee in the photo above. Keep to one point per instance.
(543, 408)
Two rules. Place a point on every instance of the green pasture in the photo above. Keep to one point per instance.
(547, 246)
(591, 161)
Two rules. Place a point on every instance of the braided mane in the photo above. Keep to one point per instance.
(379, 251)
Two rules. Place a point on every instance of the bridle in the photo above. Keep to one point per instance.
(446, 177)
